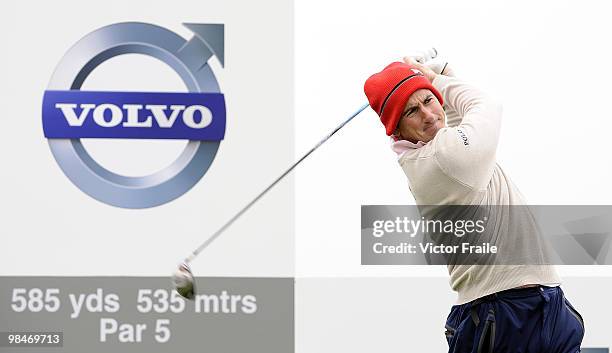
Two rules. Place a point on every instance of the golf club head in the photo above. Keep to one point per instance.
(183, 281)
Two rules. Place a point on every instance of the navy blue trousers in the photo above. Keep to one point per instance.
(527, 320)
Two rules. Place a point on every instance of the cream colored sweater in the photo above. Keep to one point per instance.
(458, 167)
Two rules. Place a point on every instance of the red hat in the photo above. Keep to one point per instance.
(389, 90)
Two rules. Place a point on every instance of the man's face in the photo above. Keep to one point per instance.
(423, 116)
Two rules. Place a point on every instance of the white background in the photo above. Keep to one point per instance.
(546, 61)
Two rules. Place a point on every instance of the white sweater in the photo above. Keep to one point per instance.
(458, 167)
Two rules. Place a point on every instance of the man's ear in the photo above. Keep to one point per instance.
(396, 134)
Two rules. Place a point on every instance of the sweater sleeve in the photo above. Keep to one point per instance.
(466, 152)
(452, 117)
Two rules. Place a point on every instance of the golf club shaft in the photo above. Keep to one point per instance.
(197, 251)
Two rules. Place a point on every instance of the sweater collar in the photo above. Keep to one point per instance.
(402, 146)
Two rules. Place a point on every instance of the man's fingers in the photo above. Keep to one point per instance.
(408, 60)
(430, 74)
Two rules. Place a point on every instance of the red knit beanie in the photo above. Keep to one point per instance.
(389, 90)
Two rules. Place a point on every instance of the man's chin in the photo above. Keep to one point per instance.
(431, 132)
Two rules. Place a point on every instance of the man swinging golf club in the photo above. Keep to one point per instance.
(513, 307)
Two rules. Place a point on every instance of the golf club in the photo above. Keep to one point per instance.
(183, 279)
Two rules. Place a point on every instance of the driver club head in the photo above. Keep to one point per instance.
(183, 281)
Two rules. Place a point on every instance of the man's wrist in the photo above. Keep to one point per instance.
(438, 81)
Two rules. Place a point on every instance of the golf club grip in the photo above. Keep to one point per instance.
(276, 181)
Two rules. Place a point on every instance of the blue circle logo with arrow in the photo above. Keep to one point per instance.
(199, 115)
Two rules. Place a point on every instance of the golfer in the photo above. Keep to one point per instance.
(515, 307)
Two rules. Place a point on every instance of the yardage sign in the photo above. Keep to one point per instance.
(69, 114)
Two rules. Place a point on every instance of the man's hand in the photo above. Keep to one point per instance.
(429, 73)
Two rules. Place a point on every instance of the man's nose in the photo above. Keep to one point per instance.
(428, 115)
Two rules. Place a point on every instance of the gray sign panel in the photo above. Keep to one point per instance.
(144, 314)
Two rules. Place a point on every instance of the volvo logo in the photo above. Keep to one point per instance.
(69, 114)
